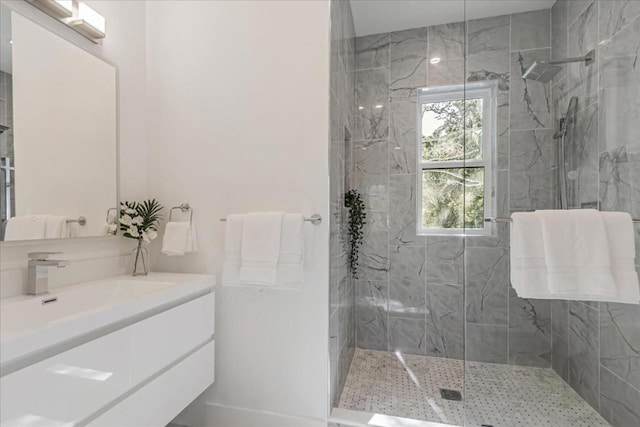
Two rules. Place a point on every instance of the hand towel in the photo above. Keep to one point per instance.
(528, 268)
(28, 227)
(620, 234)
(261, 235)
(176, 238)
(290, 271)
(577, 254)
(232, 245)
(56, 227)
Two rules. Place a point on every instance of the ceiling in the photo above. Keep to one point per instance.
(381, 16)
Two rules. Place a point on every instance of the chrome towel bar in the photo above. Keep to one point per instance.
(81, 221)
(315, 219)
(505, 219)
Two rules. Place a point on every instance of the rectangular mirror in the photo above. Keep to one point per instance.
(58, 145)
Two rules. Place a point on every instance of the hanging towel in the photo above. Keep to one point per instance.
(528, 268)
(577, 254)
(232, 245)
(56, 227)
(179, 238)
(619, 226)
(260, 251)
(28, 227)
(290, 271)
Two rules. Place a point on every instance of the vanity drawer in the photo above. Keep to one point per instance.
(74, 385)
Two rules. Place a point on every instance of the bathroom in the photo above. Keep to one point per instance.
(405, 312)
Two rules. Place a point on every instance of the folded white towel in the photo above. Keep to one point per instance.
(179, 238)
(260, 251)
(577, 254)
(528, 268)
(290, 271)
(56, 227)
(28, 227)
(232, 245)
(619, 226)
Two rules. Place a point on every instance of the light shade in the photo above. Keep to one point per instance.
(57, 8)
(88, 22)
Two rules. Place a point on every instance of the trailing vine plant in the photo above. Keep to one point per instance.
(353, 202)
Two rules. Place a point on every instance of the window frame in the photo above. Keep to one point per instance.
(488, 92)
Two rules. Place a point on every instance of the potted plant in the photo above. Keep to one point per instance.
(357, 215)
(139, 220)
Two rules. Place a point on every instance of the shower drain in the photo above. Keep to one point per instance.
(450, 394)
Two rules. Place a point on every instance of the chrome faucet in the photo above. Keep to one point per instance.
(38, 272)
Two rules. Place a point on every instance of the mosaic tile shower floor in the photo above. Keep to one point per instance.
(497, 395)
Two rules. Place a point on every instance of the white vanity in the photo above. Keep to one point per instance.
(118, 352)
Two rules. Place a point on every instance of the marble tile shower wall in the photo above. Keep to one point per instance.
(596, 346)
(342, 290)
(410, 290)
(6, 138)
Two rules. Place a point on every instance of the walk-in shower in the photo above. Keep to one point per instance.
(435, 332)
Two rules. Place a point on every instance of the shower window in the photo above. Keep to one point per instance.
(456, 139)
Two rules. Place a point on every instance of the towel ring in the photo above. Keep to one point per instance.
(184, 207)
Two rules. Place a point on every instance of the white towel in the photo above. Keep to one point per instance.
(260, 251)
(528, 268)
(232, 245)
(56, 227)
(179, 238)
(619, 226)
(290, 267)
(290, 271)
(577, 254)
(28, 227)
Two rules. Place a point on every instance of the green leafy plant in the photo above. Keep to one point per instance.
(139, 220)
(357, 215)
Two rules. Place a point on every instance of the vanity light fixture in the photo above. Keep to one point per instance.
(435, 60)
(88, 22)
(361, 108)
(59, 9)
(379, 106)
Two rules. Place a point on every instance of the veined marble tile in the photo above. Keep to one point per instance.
(559, 27)
(371, 314)
(583, 37)
(529, 332)
(616, 15)
(530, 103)
(531, 30)
(582, 157)
(486, 343)
(620, 340)
(373, 260)
(618, 400)
(583, 352)
(407, 282)
(372, 51)
(487, 285)
(370, 174)
(575, 8)
(403, 139)
(447, 72)
(407, 335)
(445, 321)
(504, 123)
(402, 212)
(446, 41)
(408, 70)
(488, 50)
(445, 260)
(615, 181)
(560, 356)
(372, 94)
(618, 57)
(529, 174)
(560, 318)
(619, 117)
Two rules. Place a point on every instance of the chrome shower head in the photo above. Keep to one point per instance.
(541, 71)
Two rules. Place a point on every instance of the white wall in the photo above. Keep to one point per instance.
(124, 47)
(238, 121)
